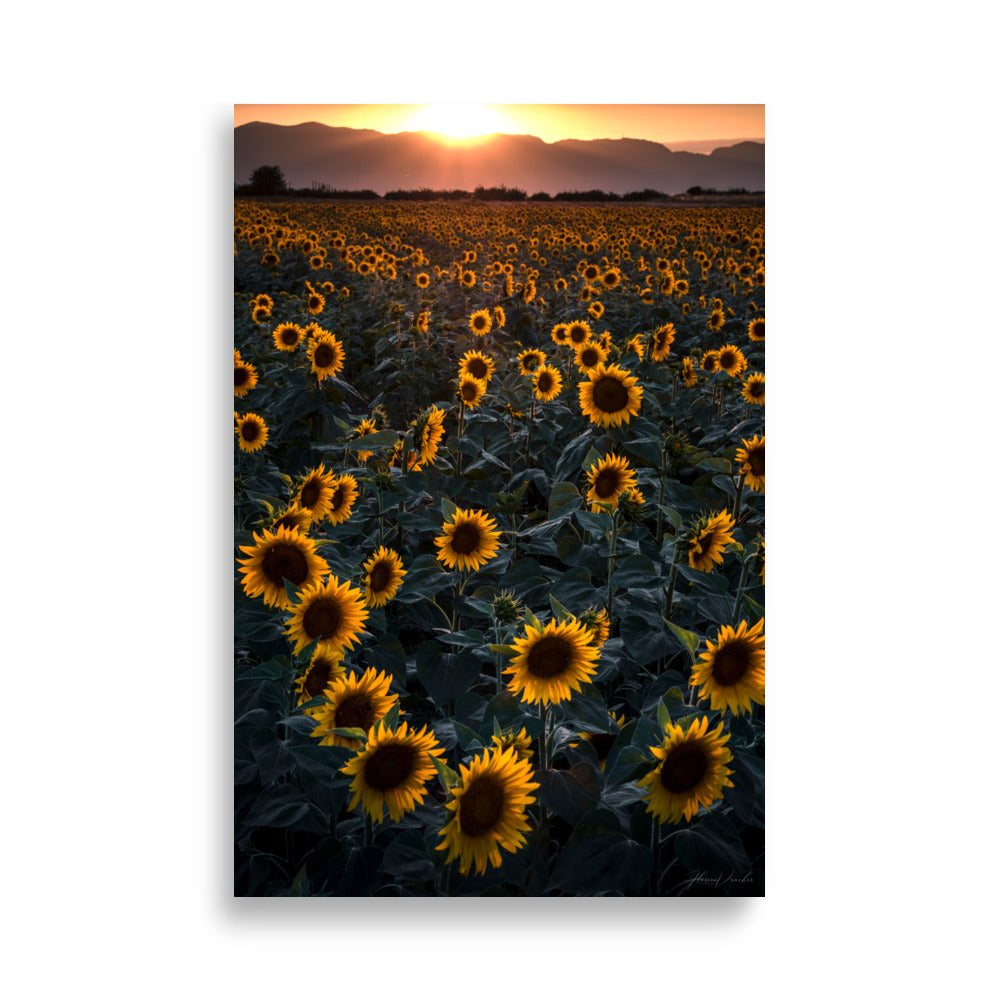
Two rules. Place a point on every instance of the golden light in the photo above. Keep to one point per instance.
(459, 121)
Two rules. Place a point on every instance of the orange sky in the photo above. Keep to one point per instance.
(666, 123)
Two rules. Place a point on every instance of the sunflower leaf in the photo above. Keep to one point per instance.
(448, 509)
(561, 611)
(688, 640)
(391, 718)
(448, 777)
(352, 733)
(502, 649)
(531, 619)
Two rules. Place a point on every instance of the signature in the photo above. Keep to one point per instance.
(703, 878)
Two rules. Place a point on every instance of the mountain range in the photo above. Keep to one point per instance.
(354, 159)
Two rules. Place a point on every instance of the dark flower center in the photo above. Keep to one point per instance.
(589, 357)
(479, 322)
(240, 376)
(310, 494)
(756, 388)
(389, 766)
(477, 368)
(250, 430)
(289, 336)
(481, 806)
(466, 539)
(323, 618)
(339, 498)
(319, 674)
(531, 362)
(379, 577)
(707, 540)
(610, 395)
(607, 483)
(323, 355)
(577, 334)
(731, 662)
(355, 711)
(469, 391)
(683, 768)
(549, 656)
(755, 459)
(283, 562)
(545, 382)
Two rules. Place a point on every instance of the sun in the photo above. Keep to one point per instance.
(458, 121)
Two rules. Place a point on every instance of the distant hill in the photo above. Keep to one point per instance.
(348, 158)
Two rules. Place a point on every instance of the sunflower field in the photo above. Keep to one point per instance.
(498, 549)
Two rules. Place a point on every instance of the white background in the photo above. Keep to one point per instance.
(881, 265)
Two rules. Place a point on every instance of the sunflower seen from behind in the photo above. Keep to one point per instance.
(331, 614)
(610, 396)
(382, 577)
(731, 673)
(751, 459)
(469, 540)
(552, 662)
(489, 810)
(691, 772)
(392, 771)
(353, 701)
(276, 556)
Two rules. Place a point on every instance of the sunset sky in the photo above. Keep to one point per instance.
(676, 125)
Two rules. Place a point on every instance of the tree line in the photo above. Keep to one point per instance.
(270, 180)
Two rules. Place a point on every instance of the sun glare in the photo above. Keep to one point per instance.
(459, 121)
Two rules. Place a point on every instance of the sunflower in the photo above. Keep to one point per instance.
(294, 517)
(603, 742)
(315, 303)
(326, 355)
(753, 389)
(477, 365)
(422, 280)
(352, 702)
(755, 328)
(681, 286)
(610, 396)
(708, 539)
(660, 342)
(552, 662)
(314, 494)
(332, 613)
(595, 310)
(598, 624)
(490, 810)
(560, 333)
(276, 556)
(731, 672)
(547, 382)
(288, 336)
(609, 479)
(530, 360)
(731, 360)
(322, 670)
(499, 317)
(716, 320)
(691, 772)
(578, 332)
(590, 355)
(392, 770)
(590, 273)
(710, 361)
(428, 430)
(636, 345)
(471, 391)
(612, 278)
(470, 540)
(260, 313)
(345, 492)
(244, 376)
(480, 322)
(252, 432)
(519, 742)
(367, 426)
(383, 575)
(751, 459)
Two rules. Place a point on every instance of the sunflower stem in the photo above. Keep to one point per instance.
(739, 498)
(612, 545)
(659, 500)
(740, 589)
